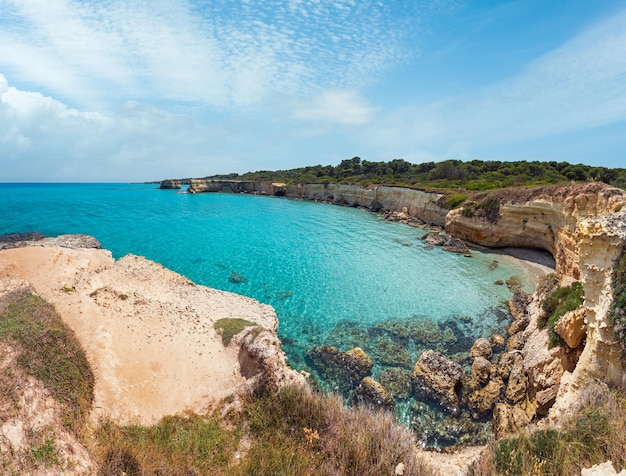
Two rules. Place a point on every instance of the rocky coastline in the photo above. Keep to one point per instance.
(583, 226)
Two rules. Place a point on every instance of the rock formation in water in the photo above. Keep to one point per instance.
(170, 184)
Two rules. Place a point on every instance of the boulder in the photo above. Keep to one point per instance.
(571, 327)
(505, 363)
(436, 377)
(518, 305)
(508, 419)
(481, 348)
(170, 184)
(481, 369)
(372, 394)
(343, 369)
(483, 400)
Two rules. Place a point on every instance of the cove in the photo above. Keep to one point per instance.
(336, 276)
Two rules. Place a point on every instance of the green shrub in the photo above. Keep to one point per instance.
(454, 201)
(230, 327)
(617, 313)
(556, 304)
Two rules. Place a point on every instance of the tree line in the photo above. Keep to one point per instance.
(471, 175)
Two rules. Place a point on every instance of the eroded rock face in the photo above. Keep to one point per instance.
(571, 327)
(172, 184)
(437, 377)
(540, 217)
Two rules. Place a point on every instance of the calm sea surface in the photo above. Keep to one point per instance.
(333, 274)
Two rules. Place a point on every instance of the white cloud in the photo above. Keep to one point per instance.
(224, 54)
(579, 86)
(336, 106)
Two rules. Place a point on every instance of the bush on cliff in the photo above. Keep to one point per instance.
(617, 312)
(557, 304)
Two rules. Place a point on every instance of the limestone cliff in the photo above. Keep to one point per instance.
(236, 186)
(537, 217)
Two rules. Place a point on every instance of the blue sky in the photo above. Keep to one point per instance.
(114, 90)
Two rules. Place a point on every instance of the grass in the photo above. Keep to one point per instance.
(556, 304)
(50, 352)
(593, 434)
(313, 433)
(230, 327)
(177, 445)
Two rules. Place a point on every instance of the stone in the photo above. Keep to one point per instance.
(505, 363)
(371, 393)
(516, 341)
(508, 419)
(571, 327)
(172, 184)
(397, 381)
(342, 369)
(483, 400)
(436, 377)
(517, 382)
(481, 348)
(518, 305)
(604, 469)
(481, 369)
(497, 340)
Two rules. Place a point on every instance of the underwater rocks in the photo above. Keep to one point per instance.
(344, 370)
(237, 278)
(397, 381)
(437, 377)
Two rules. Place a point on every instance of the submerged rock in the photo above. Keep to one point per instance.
(436, 377)
(345, 370)
(386, 351)
(372, 394)
(397, 381)
(347, 335)
(481, 348)
(483, 400)
(237, 278)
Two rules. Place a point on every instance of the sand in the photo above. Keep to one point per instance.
(147, 331)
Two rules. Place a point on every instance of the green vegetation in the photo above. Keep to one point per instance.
(473, 175)
(593, 434)
(617, 313)
(558, 303)
(230, 327)
(177, 445)
(50, 352)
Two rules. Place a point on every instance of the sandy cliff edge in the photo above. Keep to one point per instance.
(148, 332)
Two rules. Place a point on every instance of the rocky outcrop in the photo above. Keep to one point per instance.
(236, 186)
(345, 370)
(438, 378)
(22, 240)
(170, 185)
(371, 393)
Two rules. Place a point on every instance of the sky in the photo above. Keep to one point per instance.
(120, 91)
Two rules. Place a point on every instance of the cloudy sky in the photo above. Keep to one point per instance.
(114, 90)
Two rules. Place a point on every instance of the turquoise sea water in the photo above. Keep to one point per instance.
(333, 274)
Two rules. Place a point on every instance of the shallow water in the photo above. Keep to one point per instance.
(335, 275)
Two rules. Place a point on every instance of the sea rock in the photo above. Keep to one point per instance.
(571, 327)
(73, 241)
(447, 242)
(481, 348)
(516, 341)
(436, 377)
(518, 305)
(347, 334)
(397, 381)
(497, 340)
(483, 400)
(481, 369)
(372, 394)
(343, 369)
(506, 362)
(172, 184)
(604, 469)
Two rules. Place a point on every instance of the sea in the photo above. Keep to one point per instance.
(336, 276)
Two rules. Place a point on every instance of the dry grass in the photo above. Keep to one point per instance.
(345, 442)
(594, 433)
